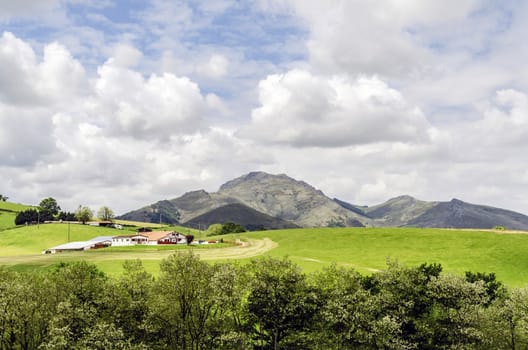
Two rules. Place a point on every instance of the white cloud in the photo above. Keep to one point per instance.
(364, 100)
(154, 108)
(374, 37)
(17, 64)
(302, 109)
(216, 67)
(126, 55)
(119, 131)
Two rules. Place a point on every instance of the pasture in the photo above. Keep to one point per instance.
(364, 249)
(8, 212)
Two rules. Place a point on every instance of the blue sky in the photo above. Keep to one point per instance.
(123, 103)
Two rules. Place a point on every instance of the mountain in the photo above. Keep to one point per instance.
(277, 196)
(263, 200)
(288, 199)
(163, 211)
(241, 214)
(459, 214)
(398, 211)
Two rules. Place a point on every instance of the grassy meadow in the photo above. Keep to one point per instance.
(364, 249)
(8, 212)
(368, 249)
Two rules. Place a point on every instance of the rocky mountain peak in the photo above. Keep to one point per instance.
(259, 177)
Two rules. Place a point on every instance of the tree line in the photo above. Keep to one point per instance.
(266, 303)
(49, 210)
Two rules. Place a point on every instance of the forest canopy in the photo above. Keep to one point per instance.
(267, 303)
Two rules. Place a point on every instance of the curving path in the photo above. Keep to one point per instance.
(249, 249)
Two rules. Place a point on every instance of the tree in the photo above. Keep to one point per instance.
(25, 310)
(189, 239)
(191, 302)
(231, 227)
(49, 206)
(280, 306)
(66, 216)
(27, 217)
(3, 198)
(105, 214)
(214, 230)
(83, 214)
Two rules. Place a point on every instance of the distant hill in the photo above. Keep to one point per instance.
(398, 211)
(459, 214)
(253, 199)
(241, 214)
(163, 211)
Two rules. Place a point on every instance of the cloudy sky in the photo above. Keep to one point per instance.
(123, 103)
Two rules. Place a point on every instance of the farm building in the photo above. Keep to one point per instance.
(119, 241)
(165, 237)
(150, 238)
(94, 243)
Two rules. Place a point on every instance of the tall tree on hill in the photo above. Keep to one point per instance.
(48, 209)
(3, 198)
(83, 214)
(105, 213)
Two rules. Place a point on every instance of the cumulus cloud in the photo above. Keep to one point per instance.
(302, 109)
(25, 81)
(156, 108)
(73, 133)
(375, 37)
(30, 92)
(364, 100)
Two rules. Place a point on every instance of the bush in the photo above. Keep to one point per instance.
(27, 217)
(231, 227)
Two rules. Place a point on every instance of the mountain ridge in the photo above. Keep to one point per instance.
(263, 196)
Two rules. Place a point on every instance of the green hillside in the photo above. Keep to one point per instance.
(364, 249)
(8, 212)
(367, 249)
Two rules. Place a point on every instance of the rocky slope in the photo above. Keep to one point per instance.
(250, 219)
(459, 214)
(263, 200)
(288, 199)
(398, 211)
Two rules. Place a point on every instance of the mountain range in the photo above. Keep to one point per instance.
(260, 200)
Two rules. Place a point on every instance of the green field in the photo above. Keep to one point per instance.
(8, 212)
(364, 249)
(367, 249)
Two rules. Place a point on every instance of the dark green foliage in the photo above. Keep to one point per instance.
(279, 304)
(494, 288)
(231, 227)
(336, 222)
(3, 198)
(266, 304)
(28, 216)
(66, 216)
(49, 208)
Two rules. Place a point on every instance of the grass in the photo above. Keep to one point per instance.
(364, 249)
(7, 220)
(8, 212)
(367, 249)
(15, 207)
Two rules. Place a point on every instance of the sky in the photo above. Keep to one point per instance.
(124, 103)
